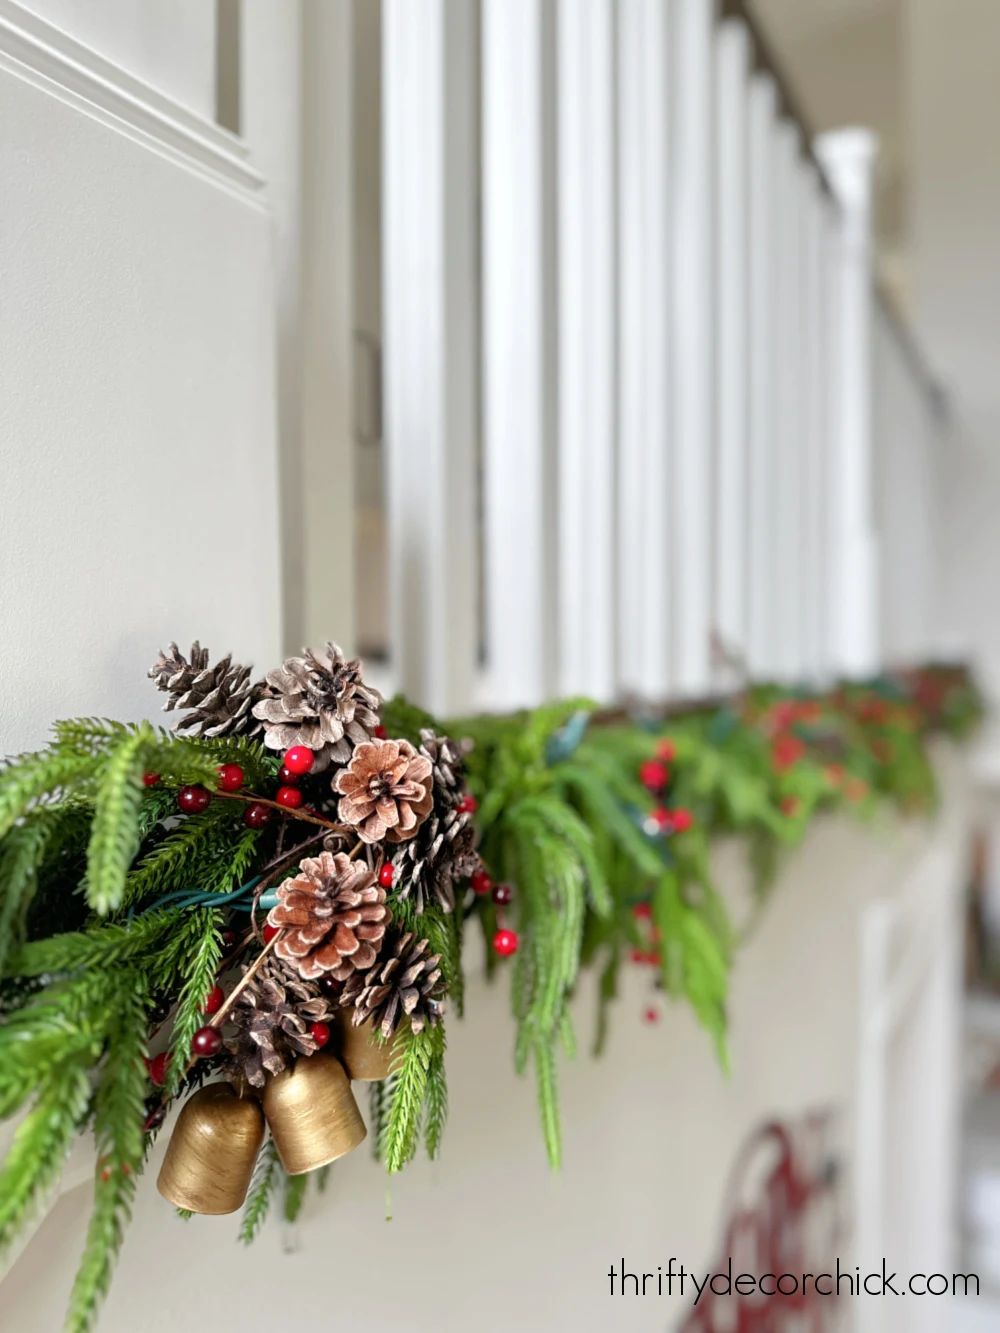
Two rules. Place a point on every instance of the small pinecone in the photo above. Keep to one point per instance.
(404, 983)
(444, 849)
(320, 701)
(333, 915)
(273, 1016)
(386, 791)
(218, 699)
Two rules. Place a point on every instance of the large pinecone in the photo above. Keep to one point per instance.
(320, 701)
(333, 915)
(273, 1016)
(404, 983)
(443, 851)
(218, 699)
(385, 791)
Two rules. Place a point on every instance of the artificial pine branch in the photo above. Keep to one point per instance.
(199, 971)
(258, 1204)
(114, 836)
(295, 1195)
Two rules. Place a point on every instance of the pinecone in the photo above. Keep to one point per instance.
(404, 983)
(320, 701)
(334, 916)
(219, 698)
(443, 850)
(273, 1016)
(385, 791)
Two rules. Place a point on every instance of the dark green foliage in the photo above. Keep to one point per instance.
(295, 1195)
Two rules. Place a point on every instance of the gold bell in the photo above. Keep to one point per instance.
(365, 1059)
(312, 1114)
(211, 1154)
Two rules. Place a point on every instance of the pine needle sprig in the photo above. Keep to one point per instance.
(41, 1145)
(411, 1067)
(295, 1196)
(199, 970)
(104, 946)
(114, 836)
(28, 778)
(265, 1180)
(118, 1133)
(436, 1102)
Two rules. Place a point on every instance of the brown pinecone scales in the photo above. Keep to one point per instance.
(405, 983)
(320, 701)
(333, 916)
(443, 851)
(218, 700)
(272, 1016)
(385, 791)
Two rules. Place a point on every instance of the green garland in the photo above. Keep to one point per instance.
(601, 826)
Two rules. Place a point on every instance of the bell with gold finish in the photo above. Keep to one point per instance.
(212, 1151)
(312, 1114)
(365, 1058)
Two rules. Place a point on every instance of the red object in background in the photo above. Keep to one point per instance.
(790, 806)
(661, 816)
(502, 894)
(651, 1015)
(150, 779)
(667, 751)
(786, 749)
(681, 819)
(505, 942)
(481, 883)
(380, 733)
(653, 774)
(785, 1221)
(468, 805)
(642, 910)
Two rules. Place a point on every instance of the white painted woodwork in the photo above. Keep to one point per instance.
(849, 159)
(691, 342)
(137, 395)
(731, 526)
(645, 511)
(586, 368)
(789, 419)
(761, 417)
(519, 380)
(430, 345)
(815, 438)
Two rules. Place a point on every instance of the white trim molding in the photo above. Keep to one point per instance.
(43, 55)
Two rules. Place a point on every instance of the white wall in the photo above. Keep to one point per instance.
(488, 1238)
(137, 406)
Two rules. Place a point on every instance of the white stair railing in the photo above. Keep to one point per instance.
(666, 379)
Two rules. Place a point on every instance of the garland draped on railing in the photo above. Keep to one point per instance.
(139, 869)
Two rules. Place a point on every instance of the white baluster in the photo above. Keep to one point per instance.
(815, 435)
(692, 341)
(761, 127)
(430, 345)
(645, 522)
(732, 63)
(519, 349)
(849, 157)
(586, 264)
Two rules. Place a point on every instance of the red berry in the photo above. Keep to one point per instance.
(158, 1068)
(287, 779)
(192, 800)
(155, 1118)
(786, 749)
(230, 777)
(385, 876)
(651, 1015)
(468, 805)
(270, 932)
(502, 894)
(505, 942)
(790, 806)
(206, 1041)
(257, 815)
(213, 1000)
(330, 987)
(380, 732)
(654, 775)
(320, 1033)
(481, 883)
(642, 910)
(681, 819)
(299, 759)
(667, 751)
(228, 938)
(661, 817)
(150, 779)
(637, 956)
(290, 797)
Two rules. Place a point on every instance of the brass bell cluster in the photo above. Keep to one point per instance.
(309, 1109)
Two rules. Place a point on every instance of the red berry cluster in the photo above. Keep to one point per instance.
(655, 775)
(505, 941)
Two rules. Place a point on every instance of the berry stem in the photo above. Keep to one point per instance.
(303, 814)
(218, 1018)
